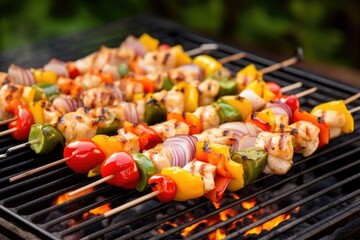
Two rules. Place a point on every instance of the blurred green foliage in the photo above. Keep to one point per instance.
(328, 30)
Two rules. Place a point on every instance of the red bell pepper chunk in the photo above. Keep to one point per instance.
(22, 124)
(324, 134)
(147, 136)
(165, 185)
(13, 105)
(83, 155)
(253, 118)
(73, 71)
(124, 169)
(217, 193)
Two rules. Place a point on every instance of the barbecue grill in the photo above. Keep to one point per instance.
(319, 197)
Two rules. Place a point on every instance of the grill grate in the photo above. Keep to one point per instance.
(324, 185)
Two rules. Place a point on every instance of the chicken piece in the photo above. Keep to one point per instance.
(334, 119)
(173, 100)
(158, 78)
(99, 97)
(280, 151)
(208, 90)
(217, 135)
(160, 156)
(8, 92)
(187, 73)
(88, 81)
(129, 88)
(4, 79)
(84, 64)
(51, 112)
(130, 142)
(170, 128)
(204, 170)
(160, 60)
(256, 101)
(281, 119)
(208, 115)
(306, 137)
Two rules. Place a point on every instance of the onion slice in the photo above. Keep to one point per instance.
(57, 66)
(21, 75)
(280, 108)
(182, 148)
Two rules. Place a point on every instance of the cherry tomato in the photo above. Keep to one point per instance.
(165, 185)
(292, 101)
(147, 136)
(275, 88)
(23, 123)
(124, 169)
(83, 155)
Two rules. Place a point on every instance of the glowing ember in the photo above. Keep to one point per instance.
(269, 224)
(65, 197)
(98, 211)
(187, 230)
(248, 204)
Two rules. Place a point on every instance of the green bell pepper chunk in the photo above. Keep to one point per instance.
(45, 91)
(155, 112)
(110, 128)
(167, 84)
(146, 168)
(227, 88)
(45, 137)
(253, 160)
(228, 113)
(123, 69)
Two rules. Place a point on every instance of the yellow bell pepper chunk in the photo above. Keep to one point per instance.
(181, 57)
(241, 104)
(150, 43)
(191, 95)
(261, 89)
(210, 64)
(246, 76)
(268, 116)
(340, 107)
(188, 186)
(42, 76)
(28, 95)
(237, 174)
(108, 144)
(96, 171)
(37, 111)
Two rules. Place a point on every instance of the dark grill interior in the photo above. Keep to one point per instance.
(321, 192)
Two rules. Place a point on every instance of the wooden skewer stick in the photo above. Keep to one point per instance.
(306, 92)
(291, 87)
(354, 109)
(93, 184)
(18, 147)
(231, 58)
(8, 131)
(352, 98)
(6, 121)
(299, 55)
(202, 48)
(39, 169)
(131, 204)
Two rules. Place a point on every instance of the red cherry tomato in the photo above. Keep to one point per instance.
(292, 101)
(124, 169)
(165, 185)
(13, 105)
(23, 123)
(83, 155)
(147, 136)
(73, 71)
(275, 88)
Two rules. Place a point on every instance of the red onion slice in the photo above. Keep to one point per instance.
(193, 68)
(57, 66)
(280, 108)
(66, 103)
(239, 129)
(134, 43)
(21, 75)
(182, 148)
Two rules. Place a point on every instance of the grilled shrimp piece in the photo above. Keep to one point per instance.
(157, 77)
(208, 115)
(305, 137)
(160, 156)
(334, 119)
(208, 90)
(84, 64)
(170, 128)
(204, 170)
(129, 141)
(187, 72)
(280, 151)
(129, 88)
(217, 135)
(51, 113)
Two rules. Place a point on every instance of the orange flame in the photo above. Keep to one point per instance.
(248, 204)
(269, 224)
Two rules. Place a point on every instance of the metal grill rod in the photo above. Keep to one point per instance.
(277, 198)
(298, 221)
(292, 206)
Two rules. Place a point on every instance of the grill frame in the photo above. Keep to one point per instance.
(64, 48)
